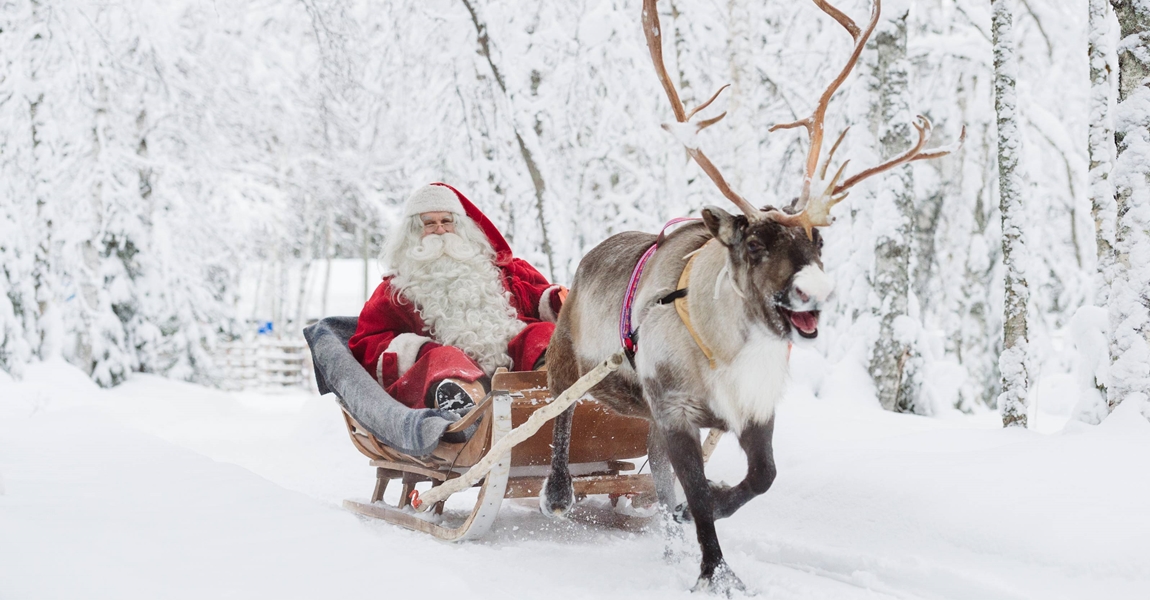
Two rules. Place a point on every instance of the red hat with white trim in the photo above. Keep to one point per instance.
(498, 243)
(432, 198)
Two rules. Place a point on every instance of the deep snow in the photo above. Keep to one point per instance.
(160, 489)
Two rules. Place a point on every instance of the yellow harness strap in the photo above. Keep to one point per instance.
(681, 308)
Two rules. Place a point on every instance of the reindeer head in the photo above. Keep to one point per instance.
(778, 270)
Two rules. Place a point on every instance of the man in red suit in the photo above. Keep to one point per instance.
(455, 306)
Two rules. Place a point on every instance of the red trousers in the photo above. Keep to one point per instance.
(442, 362)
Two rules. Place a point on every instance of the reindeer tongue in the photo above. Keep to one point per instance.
(807, 322)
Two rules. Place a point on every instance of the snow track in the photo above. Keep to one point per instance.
(164, 490)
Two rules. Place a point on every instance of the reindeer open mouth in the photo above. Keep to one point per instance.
(806, 322)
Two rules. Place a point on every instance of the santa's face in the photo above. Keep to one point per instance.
(437, 223)
(457, 290)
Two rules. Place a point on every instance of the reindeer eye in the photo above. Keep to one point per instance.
(755, 246)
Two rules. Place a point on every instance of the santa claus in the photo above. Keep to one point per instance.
(454, 307)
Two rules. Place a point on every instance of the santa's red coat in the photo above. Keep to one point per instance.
(408, 365)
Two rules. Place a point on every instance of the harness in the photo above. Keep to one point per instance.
(680, 300)
(628, 337)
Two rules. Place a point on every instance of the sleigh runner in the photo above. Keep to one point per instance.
(602, 443)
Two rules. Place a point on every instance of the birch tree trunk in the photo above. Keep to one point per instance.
(893, 358)
(1130, 293)
(1101, 148)
(1094, 406)
(46, 223)
(42, 285)
(1012, 363)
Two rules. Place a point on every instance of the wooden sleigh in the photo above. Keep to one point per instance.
(602, 441)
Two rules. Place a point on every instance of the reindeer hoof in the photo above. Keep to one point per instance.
(722, 580)
(556, 497)
(681, 513)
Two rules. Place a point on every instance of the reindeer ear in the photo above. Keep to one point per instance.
(724, 226)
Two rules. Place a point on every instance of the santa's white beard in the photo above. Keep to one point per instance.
(458, 293)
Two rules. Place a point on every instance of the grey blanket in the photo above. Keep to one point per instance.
(411, 431)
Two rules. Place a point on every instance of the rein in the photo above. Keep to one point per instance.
(627, 335)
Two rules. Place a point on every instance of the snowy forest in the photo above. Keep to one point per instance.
(149, 150)
(183, 182)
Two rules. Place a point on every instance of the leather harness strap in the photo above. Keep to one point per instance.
(629, 337)
(682, 309)
(679, 298)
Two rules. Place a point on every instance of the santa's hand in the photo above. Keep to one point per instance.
(550, 303)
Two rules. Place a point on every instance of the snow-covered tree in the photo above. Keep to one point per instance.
(1013, 362)
(1101, 146)
(1094, 359)
(1129, 299)
(127, 270)
(895, 362)
(18, 305)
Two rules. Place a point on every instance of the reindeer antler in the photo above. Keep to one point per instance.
(687, 130)
(814, 206)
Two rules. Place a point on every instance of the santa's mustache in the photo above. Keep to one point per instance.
(432, 247)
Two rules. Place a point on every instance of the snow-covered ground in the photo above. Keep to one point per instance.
(160, 489)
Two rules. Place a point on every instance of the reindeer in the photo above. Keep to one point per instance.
(717, 305)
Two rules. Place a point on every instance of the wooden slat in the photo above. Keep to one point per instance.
(418, 470)
(614, 484)
(520, 381)
(529, 487)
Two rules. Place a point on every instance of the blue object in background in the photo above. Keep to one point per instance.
(265, 328)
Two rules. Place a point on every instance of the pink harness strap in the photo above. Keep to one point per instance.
(626, 334)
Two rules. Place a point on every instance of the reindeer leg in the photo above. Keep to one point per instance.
(558, 494)
(664, 477)
(661, 470)
(687, 458)
(756, 440)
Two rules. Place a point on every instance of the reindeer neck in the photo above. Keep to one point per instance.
(714, 302)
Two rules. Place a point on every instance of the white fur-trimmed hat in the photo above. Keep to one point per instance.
(432, 198)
